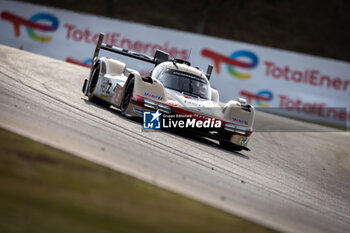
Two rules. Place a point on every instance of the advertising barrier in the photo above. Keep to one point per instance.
(266, 77)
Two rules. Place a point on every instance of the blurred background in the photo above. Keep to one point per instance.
(314, 27)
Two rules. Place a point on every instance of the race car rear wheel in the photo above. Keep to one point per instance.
(93, 83)
(92, 87)
(127, 96)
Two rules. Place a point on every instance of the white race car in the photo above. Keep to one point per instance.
(174, 88)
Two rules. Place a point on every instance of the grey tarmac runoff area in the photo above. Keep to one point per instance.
(290, 181)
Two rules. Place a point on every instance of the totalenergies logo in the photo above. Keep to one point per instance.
(239, 59)
(260, 98)
(33, 24)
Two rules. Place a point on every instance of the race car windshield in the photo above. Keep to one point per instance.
(187, 83)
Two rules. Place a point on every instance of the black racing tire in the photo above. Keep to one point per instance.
(229, 146)
(127, 96)
(91, 88)
(94, 79)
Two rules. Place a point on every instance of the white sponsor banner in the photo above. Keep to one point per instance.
(266, 77)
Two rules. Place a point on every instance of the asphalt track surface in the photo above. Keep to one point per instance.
(290, 181)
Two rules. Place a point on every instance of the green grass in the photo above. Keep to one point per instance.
(46, 190)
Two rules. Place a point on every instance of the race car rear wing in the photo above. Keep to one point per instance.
(159, 56)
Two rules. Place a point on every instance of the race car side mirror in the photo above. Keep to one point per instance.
(160, 56)
(209, 70)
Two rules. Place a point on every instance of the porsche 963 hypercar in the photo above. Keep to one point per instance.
(173, 88)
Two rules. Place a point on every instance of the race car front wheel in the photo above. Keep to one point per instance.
(127, 96)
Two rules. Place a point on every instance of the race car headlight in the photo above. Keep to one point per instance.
(164, 108)
(154, 105)
(237, 129)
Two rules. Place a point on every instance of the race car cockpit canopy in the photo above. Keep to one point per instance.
(186, 83)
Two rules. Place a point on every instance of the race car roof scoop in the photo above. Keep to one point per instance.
(246, 108)
(160, 56)
(182, 61)
(147, 79)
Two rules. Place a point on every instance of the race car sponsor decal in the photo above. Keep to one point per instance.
(153, 96)
(245, 122)
(138, 111)
(106, 86)
(243, 141)
(192, 103)
(172, 103)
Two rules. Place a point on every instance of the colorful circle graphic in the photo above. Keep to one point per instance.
(52, 27)
(249, 65)
(266, 94)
